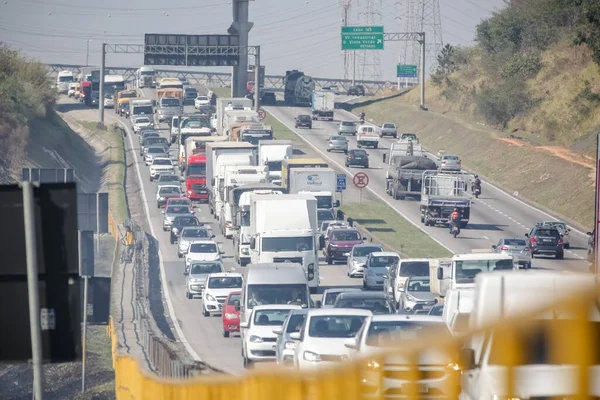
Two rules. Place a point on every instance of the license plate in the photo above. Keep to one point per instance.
(547, 240)
(346, 254)
(420, 388)
(201, 191)
(274, 347)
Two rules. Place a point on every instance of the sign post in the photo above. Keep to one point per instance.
(406, 71)
(261, 114)
(362, 37)
(341, 185)
(360, 180)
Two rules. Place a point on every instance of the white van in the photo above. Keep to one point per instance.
(512, 293)
(367, 136)
(63, 80)
(273, 283)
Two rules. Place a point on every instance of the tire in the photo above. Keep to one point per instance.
(455, 234)
(365, 285)
(205, 313)
(528, 265)
(346, 152)
(179, 255)
(189, 295)
(560, 255)
(376, 145)
(225, 333)
(347, 166)
(367, 166)
(566, 246)
(313, 290)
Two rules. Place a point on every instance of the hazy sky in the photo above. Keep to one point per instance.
(293, 34)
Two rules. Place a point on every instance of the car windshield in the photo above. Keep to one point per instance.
(178, 210)
(383, 261)
(360, 153)
(195, 233)
(203, 248)
(196, 169)
(161, 162)
(234, 299)
(168, 102)
(377, 305)
(206, 268)
(418, 285)
(324, 214)
(392, 126)
(277, 294)
(278, 244)
(390, 333)
(363, 251)
(348, 123)
(296, 322)
(270, 317)
(414, 268)
(179, 202)
(335, 326)
(225, 282)
(546, 232)
(332, 296)
(337, 139)
(346, 236)
(155, 150)
(169, 190)
(185, 221)
(142, 120)
(514, 242)
(168, 178)
(304, 118)
(149, 134)
(202, 98)
(466, 270)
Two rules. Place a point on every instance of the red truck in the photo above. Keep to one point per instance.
(195, 178)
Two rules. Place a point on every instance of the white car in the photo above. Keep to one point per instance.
(322, 341)
(109, 102)
(202, 250)
(382, 331)
(161, 165)
(72, 87)
(189, 234)
(217, 288)
(201, 101)
(213, 121)
(142, 122)
(259, 342)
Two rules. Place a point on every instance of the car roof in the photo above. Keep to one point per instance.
(277, 307)
(162, 158)
(342, 290)
(203, 241)
(406, 317)
(226, 275)
(367, 245)
(169, 186)
(384, 254)
(338, 311)
(362, 295)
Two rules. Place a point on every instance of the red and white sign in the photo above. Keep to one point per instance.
(360, 180)
(261, 114)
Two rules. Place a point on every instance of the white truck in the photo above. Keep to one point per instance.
(283, 228)
(458, 305)
(323, 103)
(218, 156)
(239, 103)
(509, 294)
(367, 136)
(459, 271)
(194, 125)
(254, 133)
(319, 182)
(243, 198)
(140, 107)
(272, 153)
(233, 177)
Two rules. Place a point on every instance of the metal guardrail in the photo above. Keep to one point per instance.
(573, 345)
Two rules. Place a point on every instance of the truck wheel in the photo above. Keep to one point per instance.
(358, 145)
(376, 145)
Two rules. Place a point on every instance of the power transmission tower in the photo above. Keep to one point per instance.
(347, 64)
(368, 64)
(421, 16)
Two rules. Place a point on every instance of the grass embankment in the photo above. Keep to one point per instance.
(114, 178)
(388, 228)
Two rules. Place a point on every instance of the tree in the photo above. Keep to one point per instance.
(447, 64)
(589, 34)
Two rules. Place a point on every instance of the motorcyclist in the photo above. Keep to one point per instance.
(476, 184)
(454, 220)
(362, 116)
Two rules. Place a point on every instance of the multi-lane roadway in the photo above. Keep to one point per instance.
(494, 215)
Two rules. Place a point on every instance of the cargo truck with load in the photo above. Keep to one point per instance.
(237, 176)
(405, 176)
(298, 88)
(140, 107)
(283, 228)
(234, 120)
(272, 153)
(235, 103)
(218, 156)
(289, 164)
(241, 199)
(319, 182)
(323, 103)
(195, 145)
(441, 193)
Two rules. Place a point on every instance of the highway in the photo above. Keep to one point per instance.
(202, 335)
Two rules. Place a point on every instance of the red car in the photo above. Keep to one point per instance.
(179, 201)
(231, 313)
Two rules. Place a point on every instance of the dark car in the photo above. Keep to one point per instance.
(190, 95)
(123, 109)
(268, 98)
(180, 222)
(303, 121)
(206, 110)
(376, 302)
(357, 157)
(545, 240)
(356, 90)
(339, 244)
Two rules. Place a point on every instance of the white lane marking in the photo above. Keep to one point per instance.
(163, 275)
(368, 188)
(486, 238)
(573, 229)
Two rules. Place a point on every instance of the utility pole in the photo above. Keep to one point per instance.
(346, 62)
(241, 27)
(101, 99)
(257, 78)
(422, 74)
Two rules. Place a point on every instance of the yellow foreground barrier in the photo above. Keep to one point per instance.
(112, 227)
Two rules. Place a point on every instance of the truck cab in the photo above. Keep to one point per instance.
(195, 178)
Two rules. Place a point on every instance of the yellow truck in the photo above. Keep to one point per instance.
(123, 97)
(289, 164)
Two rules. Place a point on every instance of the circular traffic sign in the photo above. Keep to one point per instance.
(388, 84)
(261, 114)
(361, 180)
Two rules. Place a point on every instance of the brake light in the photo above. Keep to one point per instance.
(560, 241)
(350, 156)
(533, 240)
(504, 248)
(443, 162)
(458, 162)
(526, 249)
(566, 233)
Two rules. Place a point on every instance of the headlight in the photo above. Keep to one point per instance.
(410, 297)
(310, 356)
(194, 279)
(290, 345)
(372, 365)
(231, 316)
(245, 251)
(175, 231)
(189, 260)
(256, 339)
(209, 297)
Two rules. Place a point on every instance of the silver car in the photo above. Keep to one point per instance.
(284, 350)
(515, 247)
(170, 213)
(142, 122)
(330, 295)
(417, 297)
(388, 129)
(153, 152)
(198, 273)
(358, 258)
(189, 234)
(563, 229)
(450, 162)
(148, 134)
(167, 180)
(347, 128)
(376, 268)
(337, 143)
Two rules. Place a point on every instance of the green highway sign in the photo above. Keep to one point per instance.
(362, 37)
(406, 71)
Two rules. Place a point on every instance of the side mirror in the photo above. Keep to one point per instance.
(364, 238)
(237, 307)
(440, 274)
(494, 247)
(220, 247)
(319, 304)
(351, 344)
(278, 331)
(337, 203)
(252, 243)
(527, 235)
(467, 359)
(243, 325)
(186, 273)
(212, 236)
(295, 335)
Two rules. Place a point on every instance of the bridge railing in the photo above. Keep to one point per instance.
(568, 351)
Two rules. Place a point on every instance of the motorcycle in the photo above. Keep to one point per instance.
(362, 120)
(455, 230)
(476, 191)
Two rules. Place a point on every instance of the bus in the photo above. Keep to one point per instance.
(63, 80)
(145, 77)
(112, 85)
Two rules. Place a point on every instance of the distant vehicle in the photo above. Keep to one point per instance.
(377, 267)
(182, 221)
(142, 122)
(284, 350)
(201, 101)
(563, 229)
(357, 157)
(145, 77)
(356, 90)
(515, 247)
(339, 243)
(330, 295)
(167, 179)
(303, 121)
(544, 240)
(189, 95)
(337, 143)
(358, 258)
(268, 98)
(170, 213)
(165, 193)
(388, 129)
(417, 296)
(195, 280)
(63, 80)
(408, 137)
(231, 313)
(347, 128)
(72, 88)
(450, 162)
(153, 152)
(148, 134)
(298, 88)
(218, 288)
(188, 234)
